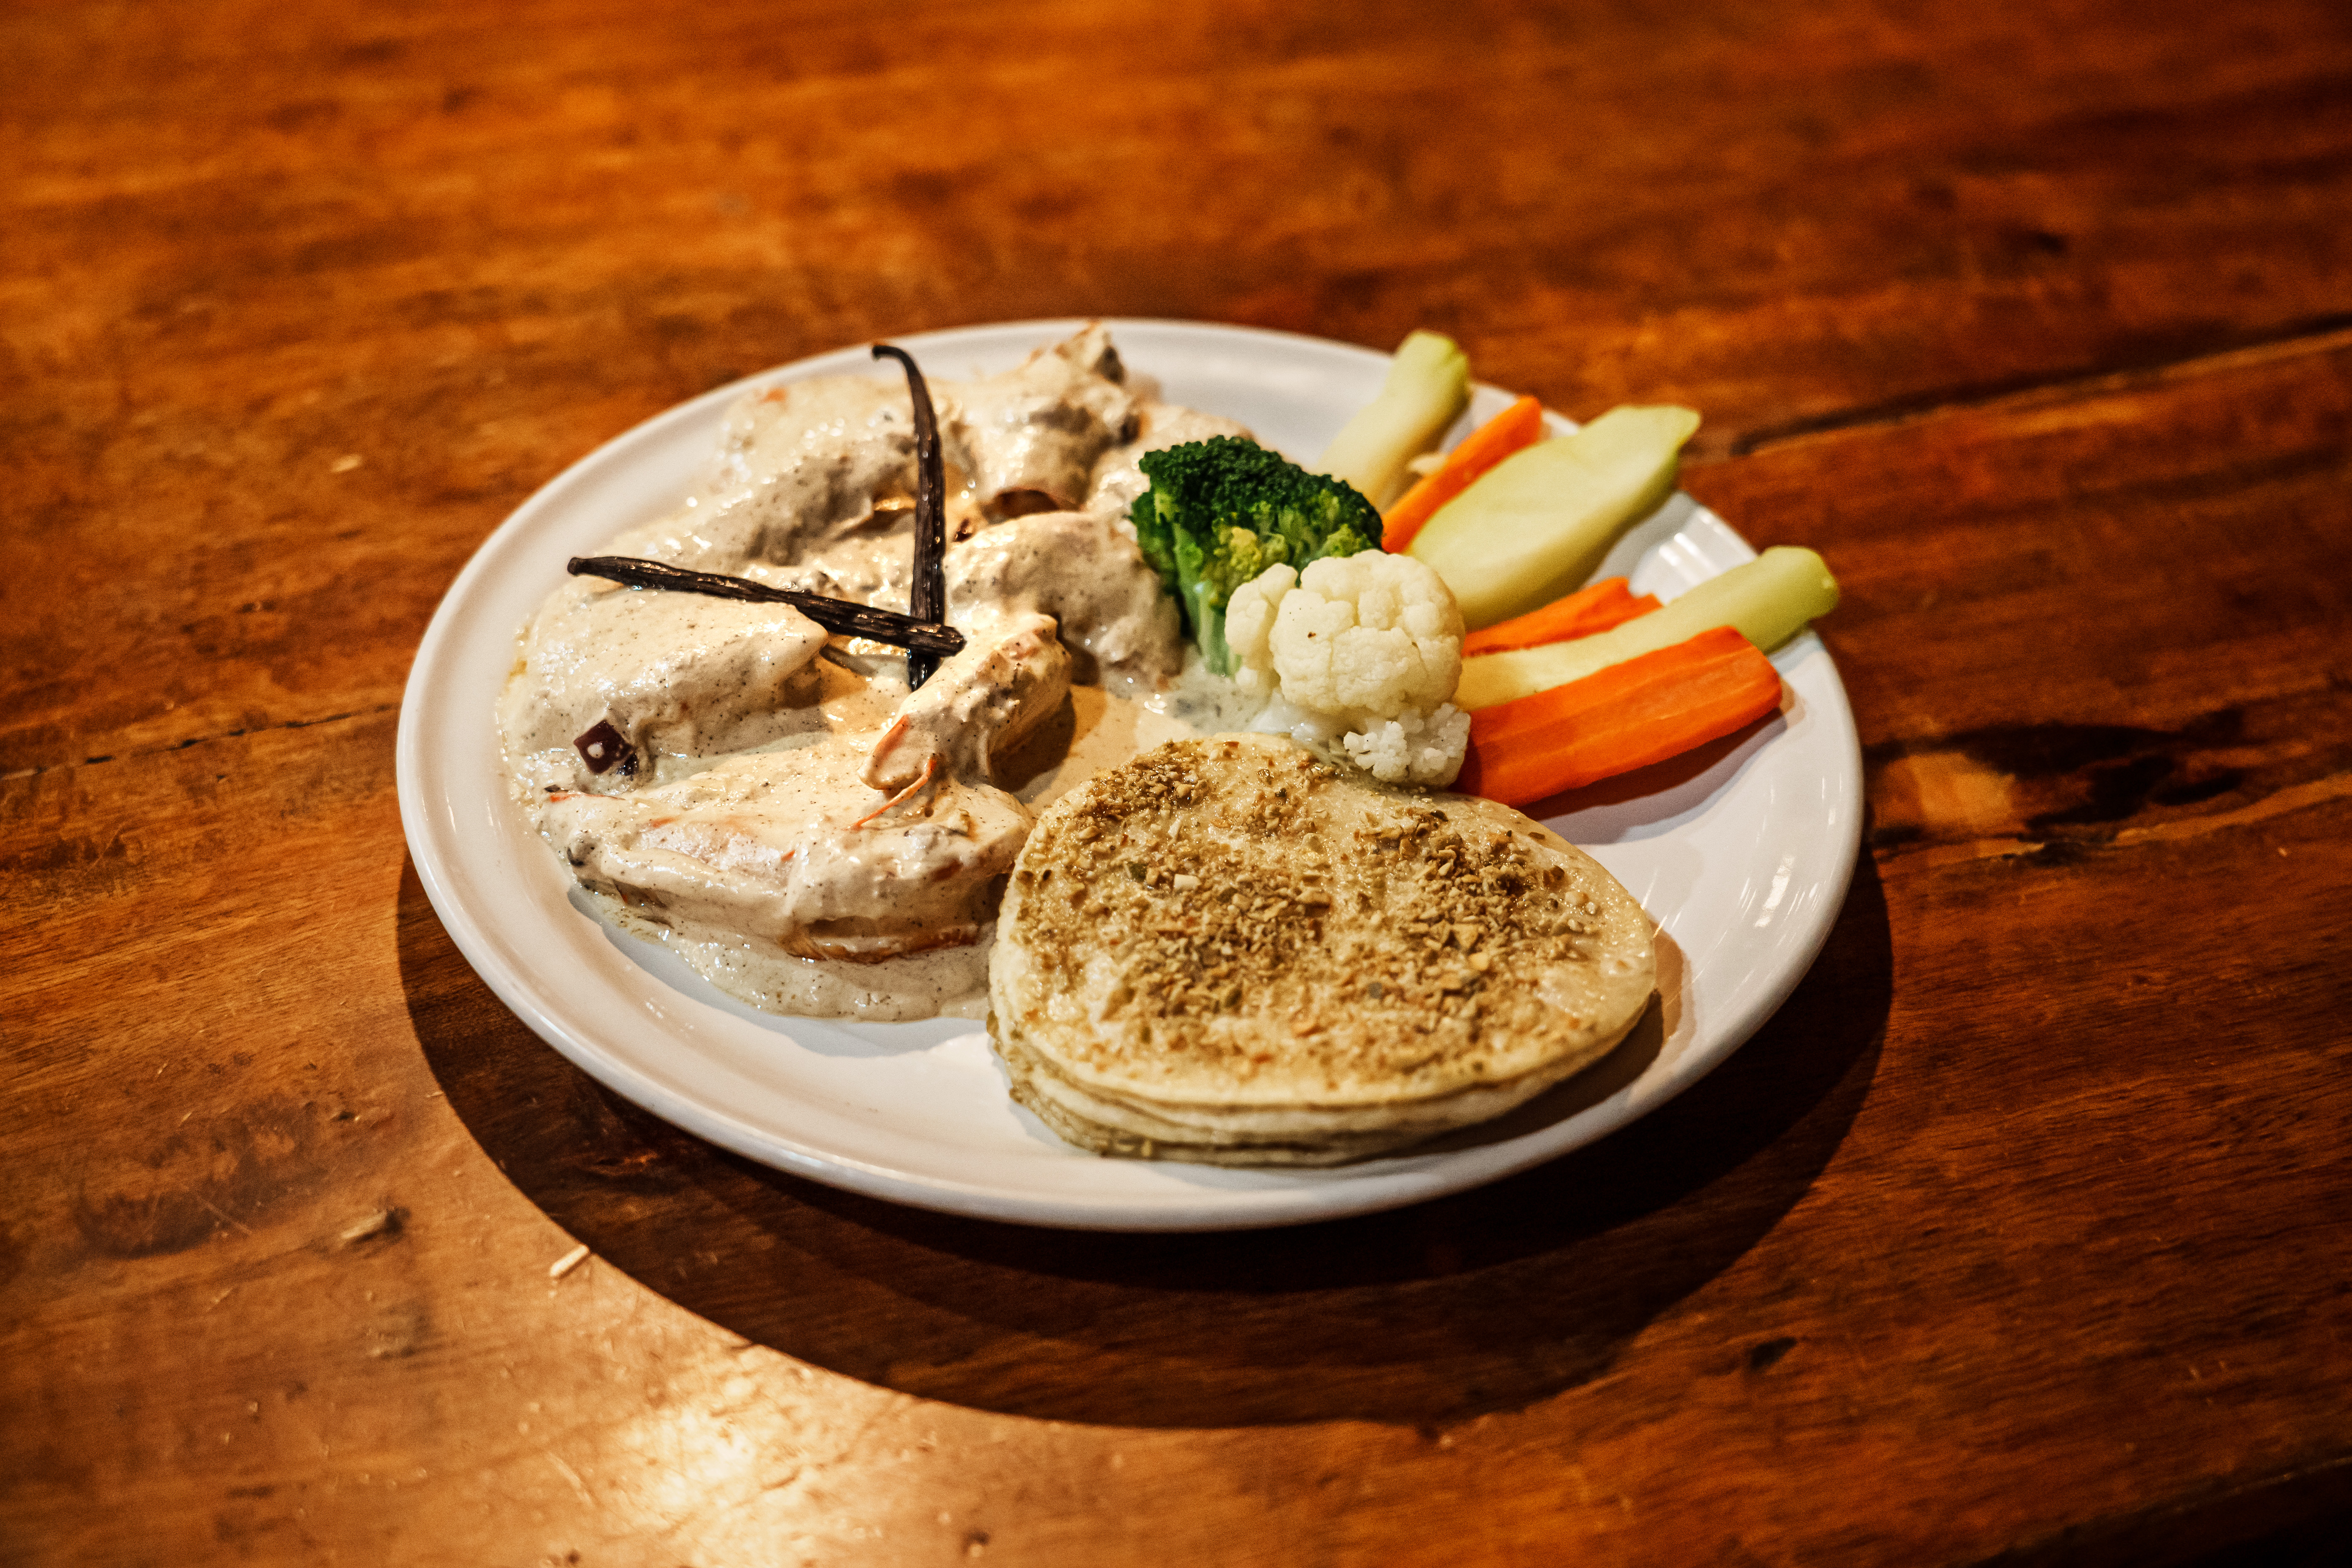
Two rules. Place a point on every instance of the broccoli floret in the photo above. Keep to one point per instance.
(1221, 511)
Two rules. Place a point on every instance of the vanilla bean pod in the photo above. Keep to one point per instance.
(927, 598)
(921, 639)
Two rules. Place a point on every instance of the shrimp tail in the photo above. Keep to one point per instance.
(878, 771)
(931, 771)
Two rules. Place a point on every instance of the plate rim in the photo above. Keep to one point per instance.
(1194, 1209)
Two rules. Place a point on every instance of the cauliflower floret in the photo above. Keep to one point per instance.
(1363, 650)
(1364, 635)
(1412, 748)
(1249, 629)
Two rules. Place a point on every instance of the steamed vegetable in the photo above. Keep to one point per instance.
(1362, 653)
(1368, 634)
(1221, 511)
(1538, 522)
(1518, 426)
(1608, 603)
(1428, 388)
(1768, 600)
(1644, 710)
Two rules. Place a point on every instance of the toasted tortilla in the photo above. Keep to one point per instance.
(1226, 950)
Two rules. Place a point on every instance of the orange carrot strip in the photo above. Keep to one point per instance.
(1516, 427)
(1650, 708)
(1608, 603)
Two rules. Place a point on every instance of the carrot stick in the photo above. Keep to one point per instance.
(1648, 709)
(1608, 603)
(1516, 427)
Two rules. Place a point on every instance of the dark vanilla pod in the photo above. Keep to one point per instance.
(927, 599)
(833, 614)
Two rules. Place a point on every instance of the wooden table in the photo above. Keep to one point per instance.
(2020, 1234)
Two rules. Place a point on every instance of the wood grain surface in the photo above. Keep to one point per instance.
(2019, 1235)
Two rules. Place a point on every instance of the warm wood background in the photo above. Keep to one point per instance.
(2019, 1235)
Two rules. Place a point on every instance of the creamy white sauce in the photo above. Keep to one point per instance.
(1093, 731)
(790, 821)
(945, 983)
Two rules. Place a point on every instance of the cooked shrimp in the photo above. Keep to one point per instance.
(790, 846)
(978, 706)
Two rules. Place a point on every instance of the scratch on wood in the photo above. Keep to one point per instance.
(573, 1476)
(225, 1219)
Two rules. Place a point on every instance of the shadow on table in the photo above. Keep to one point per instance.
(1488, 1301)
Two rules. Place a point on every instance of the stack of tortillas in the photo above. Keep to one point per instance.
(1225, 951)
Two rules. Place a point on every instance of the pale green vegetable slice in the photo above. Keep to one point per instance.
(1535, 526)
(1768, 600)
(1428, 388)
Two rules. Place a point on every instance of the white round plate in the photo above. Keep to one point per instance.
(1742, 861)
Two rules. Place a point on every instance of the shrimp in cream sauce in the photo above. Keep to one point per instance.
(773, 801)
